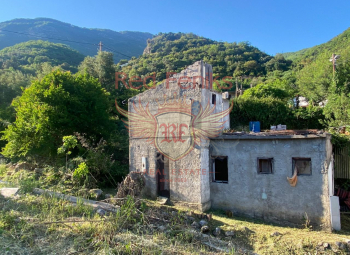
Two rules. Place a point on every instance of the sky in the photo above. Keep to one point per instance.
(274, 26)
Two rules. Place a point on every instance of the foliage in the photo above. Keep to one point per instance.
(54, 107)
(337, 109)
(278, 63)
(104, 165)
(127, 42)
(28, 57)
(314, 70)
(272, 111)
(69, 143)
(339, 140)
(100, 66)
(82, 171)
(315, 79)
(276, 89)
(172, 52)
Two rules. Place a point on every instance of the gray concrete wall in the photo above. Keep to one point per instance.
(184, 174)
(243, 194)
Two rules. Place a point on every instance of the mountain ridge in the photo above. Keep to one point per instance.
(84, 40)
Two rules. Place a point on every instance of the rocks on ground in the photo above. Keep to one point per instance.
(101, 212)
(229, 233)
(190, 219)
(97, 193)
(162, 200)
(161, 228)
(340, 245)
(195, 224)
(8, 192)
(217, 231)
(205, 229)
(203, 223)
(107, 196)
(275, 234)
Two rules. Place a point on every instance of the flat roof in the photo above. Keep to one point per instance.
(273, 134)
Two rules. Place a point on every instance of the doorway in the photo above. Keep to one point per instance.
(163, 178)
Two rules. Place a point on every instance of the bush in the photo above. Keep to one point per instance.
(101, 162)
(272, 111)
(57, 106)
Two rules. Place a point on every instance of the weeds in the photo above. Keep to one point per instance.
(47, 225)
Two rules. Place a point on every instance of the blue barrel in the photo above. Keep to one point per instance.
(254, 126)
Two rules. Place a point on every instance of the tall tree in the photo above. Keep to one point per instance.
(56, 106)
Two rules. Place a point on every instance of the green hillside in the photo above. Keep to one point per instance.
(171, 52)
(128, 43)
(313, 68)
(339, 44)
(25, 56)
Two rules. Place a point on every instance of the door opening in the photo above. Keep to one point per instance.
(163, 177)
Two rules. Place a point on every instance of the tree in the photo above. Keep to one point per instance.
(278, 63)
(275, 89)
(337, 109)
(102, 67)
(57, 106)
(315, 79)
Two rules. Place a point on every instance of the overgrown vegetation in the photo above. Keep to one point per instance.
(48, 225)
(272, 111)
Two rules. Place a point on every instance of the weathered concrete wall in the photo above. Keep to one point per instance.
(184, 174)
(243, 194)
(141, 148)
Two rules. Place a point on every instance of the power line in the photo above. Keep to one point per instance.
(117, 52)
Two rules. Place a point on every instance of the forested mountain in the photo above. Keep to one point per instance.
(28, 55)
(339, 44)
(171, 52)
(313, 68)
(127, 42)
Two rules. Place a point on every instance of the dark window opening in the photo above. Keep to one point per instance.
(220, 169)
(302, 165)
(265, 165)
(213, 98)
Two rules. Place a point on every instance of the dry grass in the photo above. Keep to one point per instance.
(142, 227)
(256, 236)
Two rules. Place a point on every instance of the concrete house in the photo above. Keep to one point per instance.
(186, 155)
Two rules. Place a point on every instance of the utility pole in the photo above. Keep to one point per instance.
(236, 95)
(100, 44)
(333, 60)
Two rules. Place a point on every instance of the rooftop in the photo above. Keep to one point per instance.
(273, 134)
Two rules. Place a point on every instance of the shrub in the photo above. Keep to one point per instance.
(272, 111)
(56, 106)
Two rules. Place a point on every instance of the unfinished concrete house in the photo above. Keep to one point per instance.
(178, 140)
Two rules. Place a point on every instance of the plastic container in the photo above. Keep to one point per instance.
(254, 126)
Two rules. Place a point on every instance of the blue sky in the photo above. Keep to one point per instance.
(271, 25)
